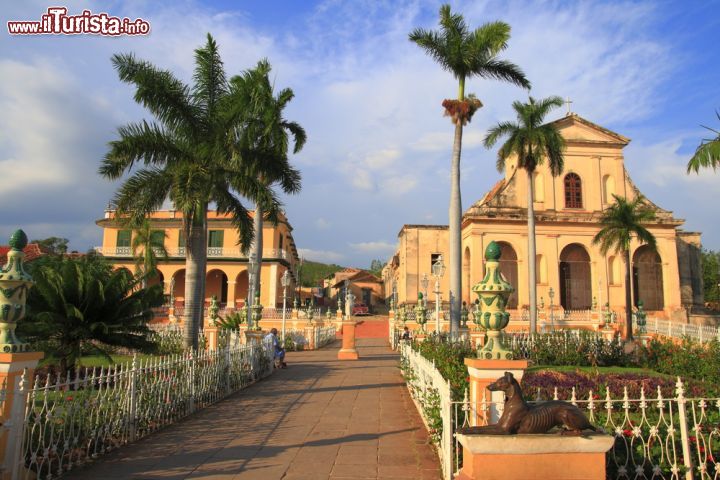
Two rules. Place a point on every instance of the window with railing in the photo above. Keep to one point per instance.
(123, 238)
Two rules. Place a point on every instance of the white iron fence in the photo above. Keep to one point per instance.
(431, 393)
(668, 328)
(656, 436)
(70, 420)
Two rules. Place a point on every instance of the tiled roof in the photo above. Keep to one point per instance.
(32, 251)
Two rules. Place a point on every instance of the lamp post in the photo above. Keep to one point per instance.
(438, 270)
(285, 282)
(252, 271)
(424, 282)
(551, 294)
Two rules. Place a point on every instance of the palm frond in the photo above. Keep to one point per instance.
(159, 91)
(210, 82)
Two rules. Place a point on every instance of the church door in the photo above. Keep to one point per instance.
(575, 282)
(647, 279)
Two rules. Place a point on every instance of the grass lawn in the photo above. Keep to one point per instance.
(98, 360)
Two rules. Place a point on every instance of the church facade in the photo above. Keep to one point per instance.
(567, 210)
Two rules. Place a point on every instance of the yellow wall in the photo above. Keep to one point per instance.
(596, 156)
(233, 263)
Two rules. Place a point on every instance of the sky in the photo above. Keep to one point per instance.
(378, 150)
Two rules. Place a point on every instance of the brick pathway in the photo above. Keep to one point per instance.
(319, 419)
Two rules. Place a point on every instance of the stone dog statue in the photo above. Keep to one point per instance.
(519, 417)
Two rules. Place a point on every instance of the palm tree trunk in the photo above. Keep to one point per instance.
(257, 225)
(455, 213)
(195, 265)
(532, 275)
(628, 297)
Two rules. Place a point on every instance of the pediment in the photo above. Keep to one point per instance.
(576, 129)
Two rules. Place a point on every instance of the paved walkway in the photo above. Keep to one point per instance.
(318, 419)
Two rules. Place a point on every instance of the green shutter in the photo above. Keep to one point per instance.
(157, 237)
(181, 238)
(123, 238)
(215, 239)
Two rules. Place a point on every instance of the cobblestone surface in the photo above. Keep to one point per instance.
(319, 419)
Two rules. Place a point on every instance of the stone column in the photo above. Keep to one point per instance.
(17, 364)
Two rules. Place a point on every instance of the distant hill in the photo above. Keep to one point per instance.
(312, 273)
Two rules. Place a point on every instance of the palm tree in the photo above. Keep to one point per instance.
(707, 153)
(531, 142)
(147, 246)
(621, 222)
(267, 131)
(465, 54)
(191, 154)
(80, 305)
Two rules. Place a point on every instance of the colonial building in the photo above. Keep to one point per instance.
(227, 265)
(567, 209)
(366, 287)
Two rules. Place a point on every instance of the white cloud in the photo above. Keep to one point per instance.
(665, 163)
(325, 256)
(322, 224)
(373, 247)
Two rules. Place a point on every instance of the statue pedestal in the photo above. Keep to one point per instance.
(254, 337)
(524, 457)
(348, 351)
(482, 373)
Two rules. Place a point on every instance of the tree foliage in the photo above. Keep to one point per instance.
(376, 267)
(707, 154)
(194, 153)
(621, 222)
(81, 305)
(711, 276)
(53, 245)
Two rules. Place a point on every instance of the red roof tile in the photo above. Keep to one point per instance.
(32, 251)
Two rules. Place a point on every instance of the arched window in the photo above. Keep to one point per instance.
(608, 189)
(573, 191)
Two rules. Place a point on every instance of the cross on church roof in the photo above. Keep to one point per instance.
(568, 102)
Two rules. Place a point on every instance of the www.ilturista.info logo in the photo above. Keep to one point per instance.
(57, 22)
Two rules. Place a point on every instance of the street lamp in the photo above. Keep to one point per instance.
(285, 282)
(551, 294)
(424, 284)
(438, 270)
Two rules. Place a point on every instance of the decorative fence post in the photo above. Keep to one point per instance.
(684, 436)
(132, 413)
(191, 403)
(17, 364)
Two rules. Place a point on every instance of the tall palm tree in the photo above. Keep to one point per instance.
(622, 221)
(147, 246)
(268, 132)
(465, 54)
(707, 153)
(531, 142)
(191, 154)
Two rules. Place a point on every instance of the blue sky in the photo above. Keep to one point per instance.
(378, 146)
